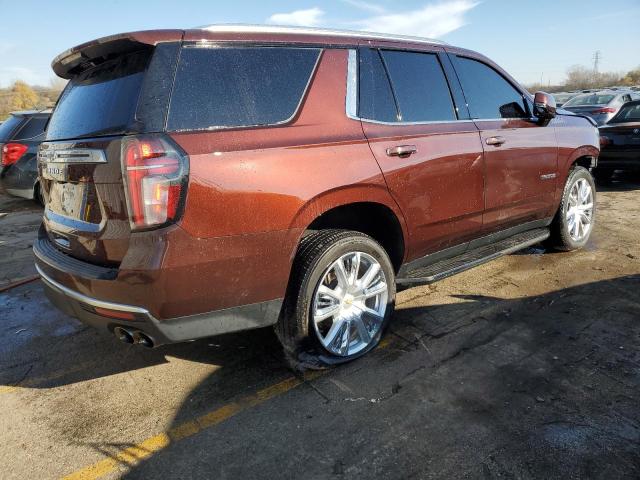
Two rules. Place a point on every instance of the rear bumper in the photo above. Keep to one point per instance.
(181, 329)
(623, 159)
(108, 297)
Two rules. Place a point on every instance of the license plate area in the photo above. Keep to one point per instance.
(77, 201)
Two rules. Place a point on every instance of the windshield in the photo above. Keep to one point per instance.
(628, 113)
(8, 127)
(589, 100)
(100, 101)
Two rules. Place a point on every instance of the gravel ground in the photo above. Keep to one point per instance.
(527, 367)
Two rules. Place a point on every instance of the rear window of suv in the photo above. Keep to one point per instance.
(628, 113)
(588, 100)
(8, 127)
(227, 87)
(34, 128)
(100, 101)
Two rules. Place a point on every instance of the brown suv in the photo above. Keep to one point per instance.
(214, 180)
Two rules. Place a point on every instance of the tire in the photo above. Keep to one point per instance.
(603, 175)
(317, 265)
(563, 231)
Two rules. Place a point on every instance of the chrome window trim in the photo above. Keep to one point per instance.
(504, 119)
(326, 32)
(352, 85)
(74, 155)
(296, 111)
(426, 122)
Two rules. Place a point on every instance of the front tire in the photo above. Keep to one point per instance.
(575, 218)
(340, 297)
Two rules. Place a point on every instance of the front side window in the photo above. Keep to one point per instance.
(488, 93)
(236, 87)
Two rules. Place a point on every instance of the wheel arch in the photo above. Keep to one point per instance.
(356, 208)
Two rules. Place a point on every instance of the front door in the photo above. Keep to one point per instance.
(432, 162)
(521, 156)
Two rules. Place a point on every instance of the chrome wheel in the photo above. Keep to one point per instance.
(349, 303)
(580, 210)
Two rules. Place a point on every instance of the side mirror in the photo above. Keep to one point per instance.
(544, 107)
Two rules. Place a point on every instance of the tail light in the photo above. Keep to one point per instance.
(11, 153)
(155, 174)
(604, 141)
(603, 110)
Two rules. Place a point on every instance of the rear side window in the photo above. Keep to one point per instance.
(376, 100)
(235, 87)
(420, 87)
(488, 93)
(629, 113)
(33, 128)
(100, 101)
(8, 127)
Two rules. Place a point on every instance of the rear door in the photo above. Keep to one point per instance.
(521, 156)
(430, 156)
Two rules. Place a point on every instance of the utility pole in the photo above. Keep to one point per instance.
(597, 56)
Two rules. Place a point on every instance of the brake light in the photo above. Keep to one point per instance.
(604, 141)
(603, 110)
(155, 174)
(12, 152)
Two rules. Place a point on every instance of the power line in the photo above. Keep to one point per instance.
(597, 56)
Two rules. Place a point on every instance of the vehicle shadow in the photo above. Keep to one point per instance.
(43, 348)
(535, 387)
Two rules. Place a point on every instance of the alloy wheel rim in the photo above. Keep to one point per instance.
(580, 210)
(349, 304)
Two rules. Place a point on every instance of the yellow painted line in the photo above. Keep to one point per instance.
(134, 454)
(8, 388)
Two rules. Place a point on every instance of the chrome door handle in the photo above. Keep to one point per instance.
(495, 141)
(402, 151)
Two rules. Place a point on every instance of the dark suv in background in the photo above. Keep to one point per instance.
(220, 179)
(20, 137)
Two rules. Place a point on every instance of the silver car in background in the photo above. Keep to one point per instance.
(602, 105)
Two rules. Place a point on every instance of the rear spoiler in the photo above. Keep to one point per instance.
(85, 56)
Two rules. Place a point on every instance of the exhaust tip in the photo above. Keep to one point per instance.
(123, 335)
(143, 339)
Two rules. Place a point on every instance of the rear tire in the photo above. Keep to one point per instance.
(340, 297)
(575, 218)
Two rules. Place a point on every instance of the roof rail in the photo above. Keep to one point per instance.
(248, 28)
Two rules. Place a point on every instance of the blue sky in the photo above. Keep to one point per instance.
(533, 40)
